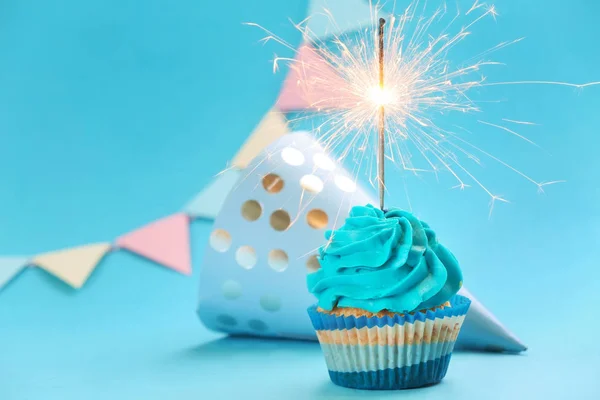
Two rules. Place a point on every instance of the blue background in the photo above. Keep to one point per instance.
(115, 113)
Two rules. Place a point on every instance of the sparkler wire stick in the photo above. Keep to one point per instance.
(381, 157)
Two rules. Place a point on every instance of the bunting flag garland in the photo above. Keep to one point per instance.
(350, 15)
(73, 266)
(166, 241)
(10, 267)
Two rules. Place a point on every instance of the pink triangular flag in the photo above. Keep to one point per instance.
(166, 241)
(309, 84)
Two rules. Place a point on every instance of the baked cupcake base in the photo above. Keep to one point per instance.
(389, 351)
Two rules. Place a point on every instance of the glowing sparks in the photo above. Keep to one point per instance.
(421, 87)
(381, 96)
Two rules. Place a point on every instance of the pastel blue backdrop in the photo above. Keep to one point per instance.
(115, 113)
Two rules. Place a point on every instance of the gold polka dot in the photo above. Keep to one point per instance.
(317, 218)
(280, 220)
(273, 183)
(251, 210)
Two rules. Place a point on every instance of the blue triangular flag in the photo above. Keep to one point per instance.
(334, 17)
(208, 202)
(9, 267)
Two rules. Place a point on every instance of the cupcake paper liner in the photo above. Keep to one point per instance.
(391, 352)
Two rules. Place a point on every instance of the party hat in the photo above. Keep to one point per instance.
(265, 241)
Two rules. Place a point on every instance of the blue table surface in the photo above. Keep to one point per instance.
(114, 113)
(144, 342)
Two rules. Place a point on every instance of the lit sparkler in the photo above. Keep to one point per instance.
(346, 84)
(381, 143)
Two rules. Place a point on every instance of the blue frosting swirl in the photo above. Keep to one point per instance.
(384, 261)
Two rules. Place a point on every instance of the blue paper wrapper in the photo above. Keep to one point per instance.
(392, 352)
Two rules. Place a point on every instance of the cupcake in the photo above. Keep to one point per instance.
(387, 315)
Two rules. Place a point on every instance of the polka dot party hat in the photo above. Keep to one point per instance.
(266, 238)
